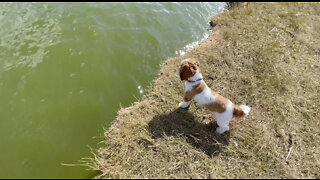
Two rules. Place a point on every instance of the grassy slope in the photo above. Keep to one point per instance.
(263, 54)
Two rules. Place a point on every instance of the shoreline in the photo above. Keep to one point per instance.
(243, 60)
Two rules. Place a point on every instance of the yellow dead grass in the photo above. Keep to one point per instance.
(265, 55)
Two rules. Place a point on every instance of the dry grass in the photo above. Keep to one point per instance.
(263, 54)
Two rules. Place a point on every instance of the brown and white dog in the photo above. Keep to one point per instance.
(196, 89)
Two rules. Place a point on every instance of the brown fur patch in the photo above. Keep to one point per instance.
(188, 68)
(194, 61)
(219, 105)
(237, 111)
(188, 96)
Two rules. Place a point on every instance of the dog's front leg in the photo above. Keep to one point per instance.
(187, 100)
(184, 105)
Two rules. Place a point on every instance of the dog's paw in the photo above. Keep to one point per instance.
(221, 130)
(184, 105)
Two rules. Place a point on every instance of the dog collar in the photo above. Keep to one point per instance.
(195, 80)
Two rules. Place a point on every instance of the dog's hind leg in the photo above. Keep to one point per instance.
(223, 119)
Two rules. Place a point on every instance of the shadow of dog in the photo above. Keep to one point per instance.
(181, 123)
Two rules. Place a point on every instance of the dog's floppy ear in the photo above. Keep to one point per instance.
(193, 68)
(195, 62)
(184, 72)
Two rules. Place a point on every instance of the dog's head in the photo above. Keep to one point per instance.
(188, 68)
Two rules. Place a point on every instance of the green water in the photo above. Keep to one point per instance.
(67, 68)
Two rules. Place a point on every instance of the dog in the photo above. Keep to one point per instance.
(196, 89)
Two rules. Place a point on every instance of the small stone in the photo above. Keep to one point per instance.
(212, 24)
(282, 133)
(235, 144)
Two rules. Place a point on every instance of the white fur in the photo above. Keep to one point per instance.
(223, 119)
(206, 97)
(184, 104)
(189, 85)
(195, 77)
(245, 109)
(185, 60)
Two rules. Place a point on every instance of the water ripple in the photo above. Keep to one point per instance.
(26, 34)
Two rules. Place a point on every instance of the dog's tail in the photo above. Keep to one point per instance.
(240, 111)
